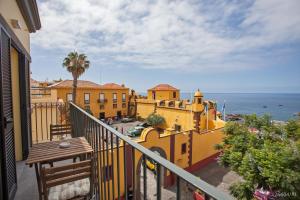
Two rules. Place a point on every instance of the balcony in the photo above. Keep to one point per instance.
(101, 101)
(121, 164)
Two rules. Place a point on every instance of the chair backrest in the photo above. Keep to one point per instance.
(54, 176)
(60, 130)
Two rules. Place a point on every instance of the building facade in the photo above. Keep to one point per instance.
(17, 20)
(187, 139)
(163, 92)
(103, 101)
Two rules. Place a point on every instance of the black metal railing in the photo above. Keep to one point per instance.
(42, 115)
(122, 164)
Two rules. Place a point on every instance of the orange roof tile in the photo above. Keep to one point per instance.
(164, 87)
(33, 82)
(112, 86)
(80, 84)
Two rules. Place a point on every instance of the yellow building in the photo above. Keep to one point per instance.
(187, 139)
(17, 20)
(103, 101)
(179, 114)
(163, 92)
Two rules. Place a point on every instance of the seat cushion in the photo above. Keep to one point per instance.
(70, 190)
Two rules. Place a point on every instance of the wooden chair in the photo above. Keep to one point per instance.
(60, 130)
(67, 181)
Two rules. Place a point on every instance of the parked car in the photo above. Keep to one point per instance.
(144, 124)
(151, 165)
(135, 131)
(127, 120)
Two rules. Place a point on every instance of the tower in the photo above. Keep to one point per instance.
(197, 109)
(198, 97)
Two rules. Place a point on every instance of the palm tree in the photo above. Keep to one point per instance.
(76, 64)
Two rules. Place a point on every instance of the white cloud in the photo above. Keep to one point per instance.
(189, 35)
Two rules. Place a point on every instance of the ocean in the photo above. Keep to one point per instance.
(280, 106)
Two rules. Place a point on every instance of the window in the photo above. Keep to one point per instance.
(123, 97)
(153, 94)
(101, 107)
(115, 105)
(114, 97)
(174, 94)
(69, 97)
(86, 98)
(199, 100)
(177, 128)
(183, 148)
(101, 97)
(123, 105)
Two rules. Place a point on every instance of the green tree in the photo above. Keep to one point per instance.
(76, 64)
(155, 120)
(268, 158)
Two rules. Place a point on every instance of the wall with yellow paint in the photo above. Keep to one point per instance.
(203, 144)
(173, 116)
(163, 94)
(42, 115)
(52, 97)
(145, 108)
(94, 104)
(10, 10)
(16, 103)
(181, 159)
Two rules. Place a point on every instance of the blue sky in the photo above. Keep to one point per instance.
(214, 45)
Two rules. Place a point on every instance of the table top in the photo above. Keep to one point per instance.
(50, 151)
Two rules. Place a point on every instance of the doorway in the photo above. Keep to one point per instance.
(119, 114)
(102, 115)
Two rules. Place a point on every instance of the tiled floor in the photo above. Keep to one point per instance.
(27, 186)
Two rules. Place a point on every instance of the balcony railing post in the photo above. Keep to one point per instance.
(112, 165)
(145, 176)
(178, 189)
(133, 172)
(125, 172)
(118, 166)
(98, 138)
(158, 181)
(104, 163)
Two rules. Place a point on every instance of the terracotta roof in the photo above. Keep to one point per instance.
(86, 84)
(112, 86)
(80, 84)
(32, 81)
(164, 87)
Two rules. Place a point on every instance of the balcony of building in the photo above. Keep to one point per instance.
(123, 169)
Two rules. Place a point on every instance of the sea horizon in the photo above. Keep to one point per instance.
(281, 106)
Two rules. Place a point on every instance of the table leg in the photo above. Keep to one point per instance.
(38, 180)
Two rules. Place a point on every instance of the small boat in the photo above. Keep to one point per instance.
(265, 106)
(280, 105)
